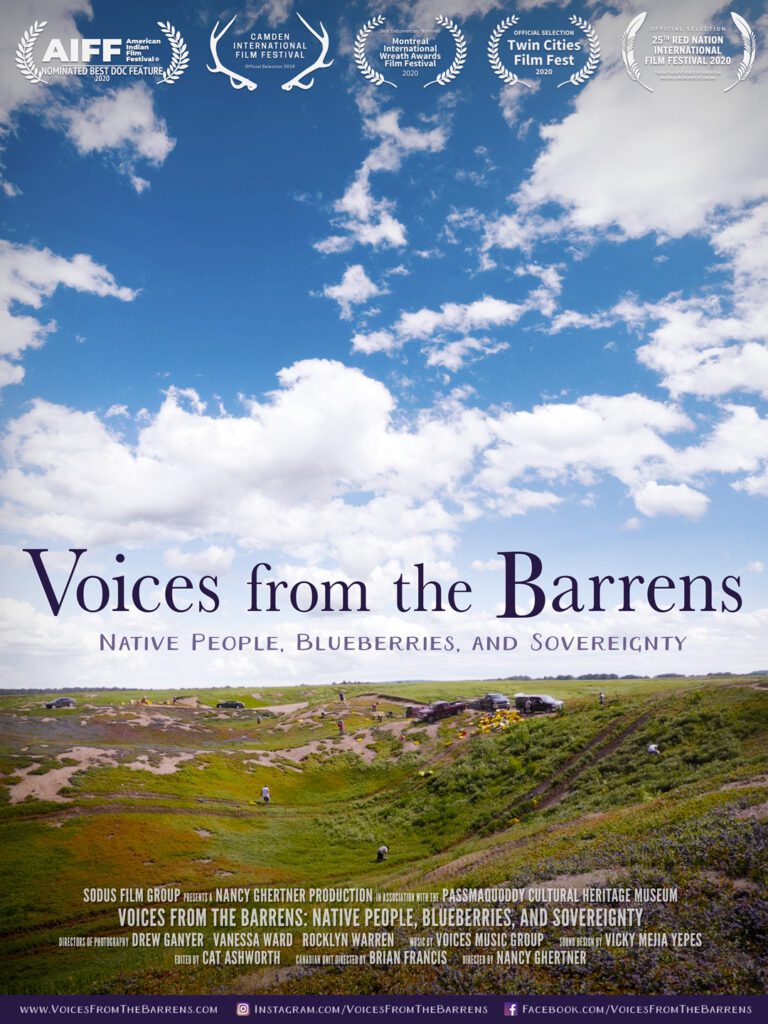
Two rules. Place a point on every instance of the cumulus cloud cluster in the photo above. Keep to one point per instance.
(328, 468)
(29, 276)
(360, 217)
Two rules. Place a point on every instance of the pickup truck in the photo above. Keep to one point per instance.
(537, 703)
(491, 702)
(434, 712)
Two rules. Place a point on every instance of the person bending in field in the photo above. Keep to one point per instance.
(265, 794)
(601, 698)
(653, 748)
(381, 853)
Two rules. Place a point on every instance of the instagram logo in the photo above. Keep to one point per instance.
(242, 1010)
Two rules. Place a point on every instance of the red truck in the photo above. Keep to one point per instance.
(434, 712)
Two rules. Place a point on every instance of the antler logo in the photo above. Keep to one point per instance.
(297, 81)
(236, 80)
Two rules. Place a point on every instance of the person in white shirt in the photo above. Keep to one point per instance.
(265, 794)
(653, 748)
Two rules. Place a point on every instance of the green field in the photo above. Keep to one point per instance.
(114, 793)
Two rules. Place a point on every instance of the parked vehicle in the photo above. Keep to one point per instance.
(434, 712)
(230, 704)
(537, 703)
(491, 702)
(61, 702)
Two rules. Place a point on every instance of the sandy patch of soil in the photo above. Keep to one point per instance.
(587, 879)
(742, 884)
(759, 780)
(280, 708)
(49, 786)
(758, 811)
(166, 765)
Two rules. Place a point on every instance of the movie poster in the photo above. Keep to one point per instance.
(384, 473)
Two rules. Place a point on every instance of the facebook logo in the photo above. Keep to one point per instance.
(510, 1009)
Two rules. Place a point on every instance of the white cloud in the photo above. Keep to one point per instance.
(569, 319)
(375, 341)
(700, 348)
(275, 12)
(10, 373)
(516, 231)
(615, 160)
(213, 559)
(432, 326)
(459, 318)
(328, 470)
(622, 436)
(756, 566)
(654, 499)
(28, 277)
(124, 124)
(361, 218)
(318, 469)
(354, 289)
(488, 565)
(511, 101)
(452, 355)
(116, 410)
(607, 170)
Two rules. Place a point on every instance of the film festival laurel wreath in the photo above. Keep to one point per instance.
(25, 61)
(365, 63)
(512, 78)
(376, 77)
(632, 67)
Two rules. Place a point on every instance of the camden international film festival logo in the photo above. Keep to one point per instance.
(658, 52)
(295, 55)
(162, 58)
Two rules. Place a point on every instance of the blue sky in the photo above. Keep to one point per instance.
(350, 328)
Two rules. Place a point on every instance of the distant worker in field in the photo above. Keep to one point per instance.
(265, 794)
(528, 707)
(341, 695)
(340, 724)
(601, 698)
(653, 748)
(381, 853)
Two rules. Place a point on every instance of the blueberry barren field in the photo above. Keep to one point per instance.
(114, 792)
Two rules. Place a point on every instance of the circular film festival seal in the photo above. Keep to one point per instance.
(395, 57)
(687, 52)
(543, 53)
